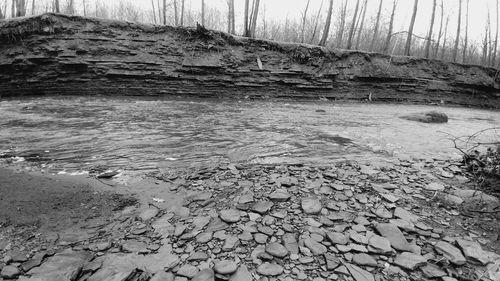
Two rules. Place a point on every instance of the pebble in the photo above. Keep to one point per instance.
(225, 267)
(311, 205)
(450, 252)
(187, 270)
(364, 259)
(277, 250)
(410, 261)
(315, 247)
(10, 272)
(394, 235)
(270, 269)
(230, 215)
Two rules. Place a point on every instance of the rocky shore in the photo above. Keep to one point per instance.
(68, 55)
(398, 220)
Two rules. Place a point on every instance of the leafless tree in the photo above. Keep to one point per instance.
(455, 49)
(440, 30)
(360, 32)
(445, 38)
(230, 17)
(377, 22)
(154, 12)
(466, 39)
(429, 34)
(203, 12)
(304, 17)
(353, 25)
(57, 6)
(1, 14)
(490, 45)
(176, 13)
(254, 16)
(341, 28)
(391, 27)
(410, 29)
(182, 12)
(496, 38)
(32, 7)
(326, 31)
(485, 42)
(70, 9)
(316, 21)
(164, 12)
(246, 27)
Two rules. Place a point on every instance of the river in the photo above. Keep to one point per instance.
(77, 133)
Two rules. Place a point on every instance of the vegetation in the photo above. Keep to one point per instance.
(341, 24)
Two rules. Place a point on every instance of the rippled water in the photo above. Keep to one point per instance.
(74, 133)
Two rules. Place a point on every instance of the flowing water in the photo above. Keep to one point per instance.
(76, 133)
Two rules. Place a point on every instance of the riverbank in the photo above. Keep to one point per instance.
(395, 220)
(62, 53)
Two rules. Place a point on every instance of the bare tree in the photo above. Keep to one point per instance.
(176, 14)
(203, 12)
(164, 12)
(410, 29)
(485, 43)
(304, 16)
(455, 49)
(440, 30)
(353, 26)
(246, 27)
(340, 32)
(56, 6)
(32, 7)
(233, 22)
(182, 12)
(496, 39)
(429, 34)
(391, 26)
(360, 32)
(13, 9)
(1, 14)
(154, 12)
(377, 22)
(490, 46)
(316, 21)
(445, 38)
(466, 39)
(71, 7)
(85, 8)
(254, 16)
(326, 31)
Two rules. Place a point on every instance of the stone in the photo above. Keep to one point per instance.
(66, 264)
(225, 267)
(379, 244)
(358, 238)
(164, 276)
(230, 215)
(200, 222)
(204, 275)
(187, 270)
(133, 246)
(10, 272)
(35, 261)
(382, 212)
(450, 252)
(270, 269)
(473, 251)
(242, 274)
(260, 238)
(148, 214)
(262, 207)
(410, 261)
(170, 261)
(311, 205)
(452, 199)
(266, 230)
(470, 195)
(204, 237)
(427, 117)
(432, 271)
(315, 247)
(337, 238)
(434, 186)
(280, 196)
(389, 197)
(199, 196)
(394, 235)
(405, 215)
(358, 273)
(230, 243)
(246, 198)
(277, 250)
(364, 259)
(198, 256)
(332, 261)
(290, 243)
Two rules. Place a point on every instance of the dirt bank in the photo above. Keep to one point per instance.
(58, 54)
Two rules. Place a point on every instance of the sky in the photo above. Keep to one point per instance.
(292, 9)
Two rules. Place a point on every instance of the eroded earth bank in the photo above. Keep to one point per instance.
(402, 218)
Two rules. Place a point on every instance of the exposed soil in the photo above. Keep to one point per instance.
(64, 55)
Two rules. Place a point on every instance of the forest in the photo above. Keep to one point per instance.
(342, 24)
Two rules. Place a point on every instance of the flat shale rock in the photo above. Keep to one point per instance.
(410, 261)
(358, 273)
(225, 267)
(242, 274)
(311, 205)
(473, 251)
(450, 252)
(280, 196)
(66, 264)
(394, 235)
(230, 215)
(277, 250)
(270, 269)
(10, 272)
(337, 238)
(315, 247)
(364, 259)
(427, 117)
(379, 244)
(262, 207)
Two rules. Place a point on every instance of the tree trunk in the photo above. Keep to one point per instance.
(85, 8)
(304, 17)
(324, 38)
(490, 40)
(457, 39)
(20, 8)
(445, 38)
(154, 11)
(343, 15)
(1, 14)
(246, 30)
(496, 40)
(58, 8)
(353, 26)
(164, 12)
(159, 11)
(410, 30)
(255, 15)
(377, 22)
(32, 7)
(316, 21)
(203, 12)
(233, 22)
(13, 9)
(440, 31)
(176, 14)
(485, 44)
(466, 39)
(182, 12)
(360, 32)
(429, 34)
(71, 7)
(391, 26)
